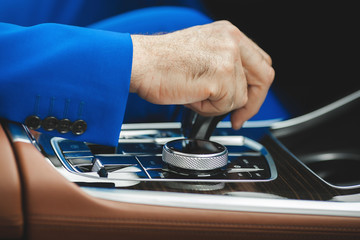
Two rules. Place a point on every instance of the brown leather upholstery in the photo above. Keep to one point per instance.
(11, 214)
(58, 209)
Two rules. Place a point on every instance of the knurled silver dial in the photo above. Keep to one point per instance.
(195, 154)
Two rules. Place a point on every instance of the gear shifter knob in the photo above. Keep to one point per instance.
(195, 126)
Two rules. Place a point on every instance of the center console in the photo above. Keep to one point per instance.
(264, 167)
(149, 155)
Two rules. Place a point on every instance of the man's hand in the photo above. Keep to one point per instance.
(212, 69)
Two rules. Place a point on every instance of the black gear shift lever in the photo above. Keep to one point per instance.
(195, 126)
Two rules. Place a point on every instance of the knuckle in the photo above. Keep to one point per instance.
(224, 22)
(268, 59)
(230, 26)
(270, 76)
(243, 99)
(232, 46)
(229, 104)
(212, 89)
(227, 26)
(227, 67)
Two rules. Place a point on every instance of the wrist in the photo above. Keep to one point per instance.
(143, 61)
(136, 73)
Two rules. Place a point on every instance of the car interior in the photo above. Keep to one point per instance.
(297, 178)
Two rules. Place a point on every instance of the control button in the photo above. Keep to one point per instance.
(33, 122)
(155, 173)
(151, 162)
(259, 175)
(238, 170)
(118, 160)
(248, 161)
(245, 161)
(195, 155)
(238, 175)
(99, 168)
(239, 149)
(78, 127)
(73, 146)
(64, 126)
(140, 148)
(80, 161)
(81, 154)
(50, 123)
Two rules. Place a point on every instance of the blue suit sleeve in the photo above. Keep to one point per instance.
(66, 72)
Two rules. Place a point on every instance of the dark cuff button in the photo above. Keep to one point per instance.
(33, 122)
(78, 127)
(50, 123)
(64, 126)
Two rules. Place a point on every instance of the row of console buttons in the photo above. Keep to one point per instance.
(152, 148)
(78, 154)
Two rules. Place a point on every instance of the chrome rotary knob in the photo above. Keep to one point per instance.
(195, 154)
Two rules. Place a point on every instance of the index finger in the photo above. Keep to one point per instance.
(256, 97)
(247, 42)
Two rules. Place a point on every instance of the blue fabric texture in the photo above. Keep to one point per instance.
(66, 71)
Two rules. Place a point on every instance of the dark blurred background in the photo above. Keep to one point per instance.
(314, 45)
